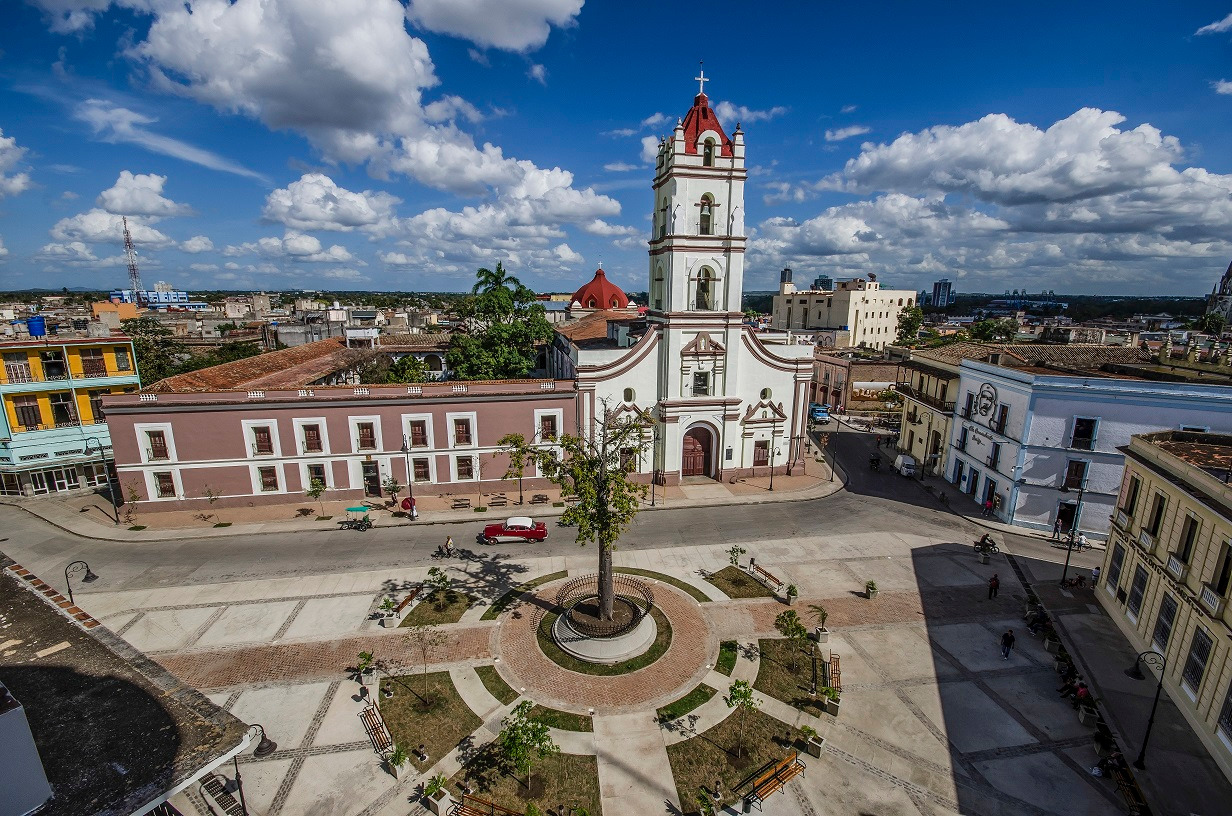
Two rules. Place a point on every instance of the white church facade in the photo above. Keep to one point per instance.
(723, 400)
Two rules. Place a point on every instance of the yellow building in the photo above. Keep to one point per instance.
(929, 388)
(1168, 571)
(53, 436)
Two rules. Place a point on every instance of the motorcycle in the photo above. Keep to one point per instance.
(360, 524)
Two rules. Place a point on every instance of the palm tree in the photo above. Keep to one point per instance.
(488, 280)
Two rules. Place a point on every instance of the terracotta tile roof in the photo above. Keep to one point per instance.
(861, 371)
(1212, 454)
(1038, 355)
(591, 327)
(436, 341)
(285, 368)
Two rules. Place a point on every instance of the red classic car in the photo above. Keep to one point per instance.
(518, 528)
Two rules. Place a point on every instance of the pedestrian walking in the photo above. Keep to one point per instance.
(987, 507)
(996, 502)
(1094, 577)
(994, 583)
(1007, 644)
(879, 440)
(1083, 544)
(1056, 530)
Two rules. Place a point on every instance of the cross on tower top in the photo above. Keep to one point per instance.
(701, 78)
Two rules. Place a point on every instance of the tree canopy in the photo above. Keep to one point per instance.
(501, 325)
(910, 319)
(1210, 323)
(1005, 329)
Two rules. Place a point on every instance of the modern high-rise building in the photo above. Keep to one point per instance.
(823, 283)
(943, 293)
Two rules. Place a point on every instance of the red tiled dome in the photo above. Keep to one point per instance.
(600, 293)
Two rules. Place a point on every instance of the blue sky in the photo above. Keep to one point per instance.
(372, 144)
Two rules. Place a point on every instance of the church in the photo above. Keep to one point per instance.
(723, 400)
(1219, 301)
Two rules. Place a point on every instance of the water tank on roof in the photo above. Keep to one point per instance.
(37, 326)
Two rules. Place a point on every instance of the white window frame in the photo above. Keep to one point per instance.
(254, 473)
(353, 425)
(1073, 426)
(558, 414)
(305, 479)
(431, 457)
(407, 419)
(453, 443)
(453, 466)
(151, 484)
(143, 441)
(298, 423)
(250, 438)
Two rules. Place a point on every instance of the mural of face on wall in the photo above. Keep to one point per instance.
(986, 399)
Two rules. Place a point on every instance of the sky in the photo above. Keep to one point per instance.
(374, 144)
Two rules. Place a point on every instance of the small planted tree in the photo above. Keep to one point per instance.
(733, 554)
(791, 627)
(740, 696)
(132, 495)
(440, 582)
(212, 496)
(820, 614)
(393, 487)
(425, 637)
(523, 739)
(519, 457)
(316, 489)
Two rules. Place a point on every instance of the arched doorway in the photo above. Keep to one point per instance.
(697, 452)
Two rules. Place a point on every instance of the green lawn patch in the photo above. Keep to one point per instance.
(324, 518)
(562, 719)
(697, 594)
(510, 598)
(729, 650)
(663, 639)
(685, 704)
(496, 685)
(439, 607)
(564, 778)
(426, 710)
(137, 527)
(697, 762)
(223, 524)
(737, 584)
(776, 678)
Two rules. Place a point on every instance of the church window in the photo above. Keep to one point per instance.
(704, 298)
(706, 224)
(708, 153)
(630, 395)
(765, 393)
(590, 304)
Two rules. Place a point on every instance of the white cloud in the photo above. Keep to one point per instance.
(621, 132)
(1222, 86)
(3, 249)
(650, 148)
(451, 108)
(1217, 27)
(140, 194)
(566, 254)
(197, 244)
(655, 119)
(66, 251)
(396, 259)
(847, 109)
(293, 246)
(840, 134)
(69, 16)
(727, 112)
(315, 202)
(479, 57)
(621, 167)
(10, 155)
(603, 228)
(511, 25)
(69, 195)
(538, 73)
(98, 226)
(112, 123)
(203, 267)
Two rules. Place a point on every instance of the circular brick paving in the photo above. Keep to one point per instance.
(524, 665)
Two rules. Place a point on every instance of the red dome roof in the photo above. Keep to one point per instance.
(600, 293)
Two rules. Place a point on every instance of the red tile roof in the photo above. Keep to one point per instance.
(285, 368)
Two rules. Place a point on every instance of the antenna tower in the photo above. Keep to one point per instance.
(134, 277)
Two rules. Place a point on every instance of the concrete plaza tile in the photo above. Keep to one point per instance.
(219, 698)
(903, 653)
(166, 629)
(1033, 696)
(818, 580)
(1044, 780)
(973, 645)
(833, 785)
(114, 621)
(340, 784)
(941, 571)
(341, 723)
(880, 714)
(854, 668)
(261, 778)
(891, 573)
(247, 623)
(968, 718)
(284, 711)
(330, 616)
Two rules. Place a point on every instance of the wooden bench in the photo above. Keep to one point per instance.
(775, 778)
(539, 498)
(215, 788)
(1128, 788)
(407, 601)
(377, 732)
(765, 577)
(836, 674)
(474, 806)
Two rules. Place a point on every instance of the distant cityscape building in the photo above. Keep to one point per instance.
(823, 283)
(856, 312)
(943, 293)
(161, 298)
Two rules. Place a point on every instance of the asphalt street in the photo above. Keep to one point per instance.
(872, 502)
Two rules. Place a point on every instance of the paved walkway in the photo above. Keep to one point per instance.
(634, 773)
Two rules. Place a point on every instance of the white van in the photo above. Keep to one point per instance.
(905, 464)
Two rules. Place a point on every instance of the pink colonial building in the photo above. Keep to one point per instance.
(266, 437)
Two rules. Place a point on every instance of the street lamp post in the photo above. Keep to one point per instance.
(654, 460)
(75, 567)
(1069, 546)
(1159, 661)
(410, 476)
(774, 441)
(94, 444)
(264, 748)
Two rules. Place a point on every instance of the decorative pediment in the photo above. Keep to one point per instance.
(632, 412)
(764, 413)
(703, 345)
